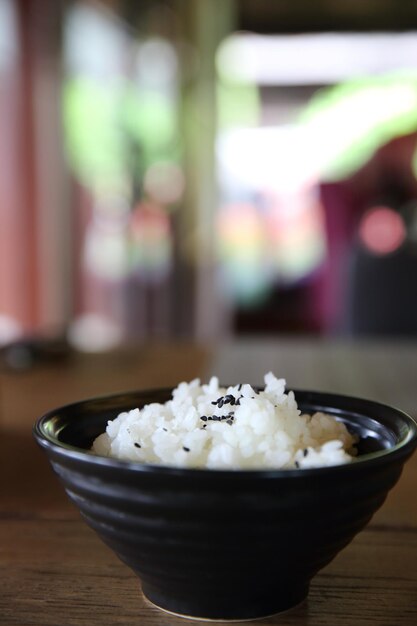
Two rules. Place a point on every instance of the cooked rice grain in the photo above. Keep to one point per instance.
(208, 426)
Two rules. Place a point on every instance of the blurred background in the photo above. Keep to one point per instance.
(207, 168)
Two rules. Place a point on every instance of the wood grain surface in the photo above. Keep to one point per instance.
(61, 574)
(56, 572)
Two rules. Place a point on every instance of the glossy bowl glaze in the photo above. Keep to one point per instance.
(228, 545)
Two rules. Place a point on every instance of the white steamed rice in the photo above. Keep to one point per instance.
(208, 426)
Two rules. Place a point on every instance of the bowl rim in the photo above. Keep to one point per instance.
(404, 448)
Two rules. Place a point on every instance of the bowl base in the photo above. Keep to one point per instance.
(237, 610)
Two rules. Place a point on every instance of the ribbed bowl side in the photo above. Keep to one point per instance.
(181, 534)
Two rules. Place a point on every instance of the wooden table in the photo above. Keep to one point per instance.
(56, 572)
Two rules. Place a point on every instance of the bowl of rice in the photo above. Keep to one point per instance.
(227, 500)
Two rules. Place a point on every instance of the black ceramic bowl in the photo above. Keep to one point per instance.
(226, 544)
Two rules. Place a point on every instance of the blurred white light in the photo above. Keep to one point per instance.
(95, 42)
(92, 332)
(321, 58)
(10, 329)
(156, 64)
(268, 157)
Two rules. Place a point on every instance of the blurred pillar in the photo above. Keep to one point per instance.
(17, 305)
(34, 232)
(54, 221)
(206, 24)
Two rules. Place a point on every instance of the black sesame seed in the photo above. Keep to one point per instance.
(185, 449)
(305, 451)
(240, 387)
(204, 418)
(297, 464)
(230, 422)
(137, 445)
(165, 429)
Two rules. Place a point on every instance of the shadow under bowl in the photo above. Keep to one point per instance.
(225, 544)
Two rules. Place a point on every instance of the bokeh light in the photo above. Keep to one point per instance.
(150, 242)
(382, 230)
(164, 182)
